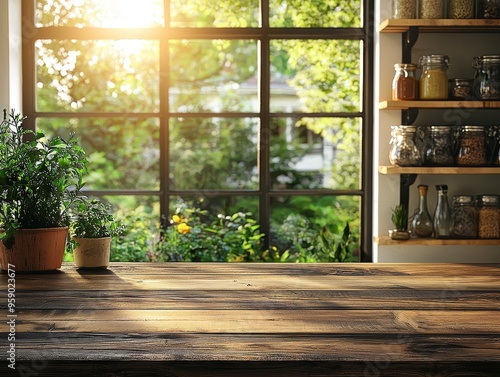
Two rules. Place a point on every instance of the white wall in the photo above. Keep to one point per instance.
(386, 187)
(10, 55)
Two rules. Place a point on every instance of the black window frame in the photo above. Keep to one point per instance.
(264, 35)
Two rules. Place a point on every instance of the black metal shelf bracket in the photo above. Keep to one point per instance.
(405, 181)
(410, 37)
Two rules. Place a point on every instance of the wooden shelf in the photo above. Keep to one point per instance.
(438, 170)
(386, 240)
(443, 26)
(404, 105)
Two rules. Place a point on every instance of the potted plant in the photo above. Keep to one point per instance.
(40, 177)
(400, 220)
(92, 228)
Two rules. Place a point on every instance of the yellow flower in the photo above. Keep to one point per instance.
(176, 219)
(183, 228)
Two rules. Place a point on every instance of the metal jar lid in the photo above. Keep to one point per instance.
(463, 199)
(434, 59)
(478, 61)
(473, 128)
(406, 67)
(461, 82)
(440, 129)
(488, 200)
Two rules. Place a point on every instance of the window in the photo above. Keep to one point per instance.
(227, 106)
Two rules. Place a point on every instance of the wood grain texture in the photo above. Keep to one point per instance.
(217, 319)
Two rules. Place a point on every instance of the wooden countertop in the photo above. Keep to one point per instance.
(208, 319)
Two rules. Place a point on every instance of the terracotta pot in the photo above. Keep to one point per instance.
(92, 252)
(35, 250)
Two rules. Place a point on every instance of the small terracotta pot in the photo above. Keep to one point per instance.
(92, 252)
(35, 250)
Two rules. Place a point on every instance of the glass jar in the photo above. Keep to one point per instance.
(488, 9)
(439, 151)
(443, 221)
(404, 9)
(405, 83)
(464, 217)
(488, 216)
(458, 9)
(434, 79)
(404, 151)
(431, 9)
(461, 89)
(422, 221)
(472, 146)
(487, 77)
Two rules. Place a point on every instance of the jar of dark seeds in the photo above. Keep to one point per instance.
(488, 216)
(439, 151)
(464, 217)
(488, 9)
(472, 146)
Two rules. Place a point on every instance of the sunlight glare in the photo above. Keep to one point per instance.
(134, 13)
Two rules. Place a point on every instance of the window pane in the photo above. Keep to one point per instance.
(315, 13)
(214, 13)
(213, 76)
(297, 223)
(122, 153)
(98, 13)
(315, 75)
(213, 153)
(91, 75)
(311, 153)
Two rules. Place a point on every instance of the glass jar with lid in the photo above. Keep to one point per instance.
(405, 83)
(459, 9)
(472, 146)
(488, 216)
(488, 9)
(404, 151)
(464, 217)
(439, 149)
(404, 9)
(461, 89)
(487, 77)
(434, 78)
(431, 9)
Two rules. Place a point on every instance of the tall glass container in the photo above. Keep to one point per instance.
(443, 221)
(434, 78)
(488, 216)
(464, 217)
(422, 220)
(431, 9)
(404, 151)
(404, 9)
(472, 146)
(487, 77)
(439, 151)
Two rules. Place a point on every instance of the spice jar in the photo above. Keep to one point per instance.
(464, 217)
(434, 79)
(460, 89)
(405, 83)
(439, 151)
(461, 9)
(488, 9)
(487, 77)
(431, 9)
(472, 146)
(404, 151)
(488, 216)
(404, 9)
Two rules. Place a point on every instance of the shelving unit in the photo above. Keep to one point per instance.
(410, 30)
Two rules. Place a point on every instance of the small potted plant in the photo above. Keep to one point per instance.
(400, 220)
(39, 179)
(92, 228)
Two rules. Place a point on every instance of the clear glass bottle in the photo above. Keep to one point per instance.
(434, 78)
(464, 217)
(487, 77)
(405, 83)
(459, 9)
(421, 224)
(488, 216)
(472, 146)
(404, 9)
(431, 9)
(439, 151)
(443, 220)
(404, 151)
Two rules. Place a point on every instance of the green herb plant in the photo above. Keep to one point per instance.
(400, 217)
(40, 178)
